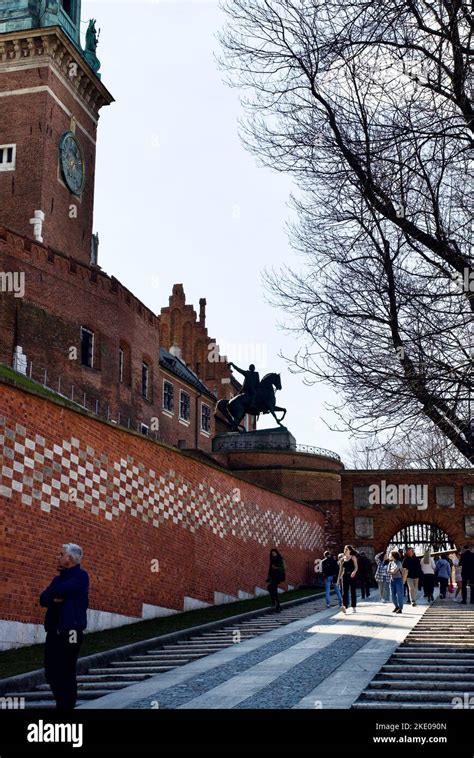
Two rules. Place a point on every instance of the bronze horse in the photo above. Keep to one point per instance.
(234, 410)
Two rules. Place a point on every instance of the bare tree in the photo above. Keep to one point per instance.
(368, 104)
(416, 450)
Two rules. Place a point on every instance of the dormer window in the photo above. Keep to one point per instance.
(7, 157)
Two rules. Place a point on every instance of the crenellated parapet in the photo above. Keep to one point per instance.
(30, 254)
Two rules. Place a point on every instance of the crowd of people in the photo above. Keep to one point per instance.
(399, 577)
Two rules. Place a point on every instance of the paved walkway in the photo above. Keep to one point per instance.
(322, 661)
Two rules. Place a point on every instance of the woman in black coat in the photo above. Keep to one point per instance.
(276, 575)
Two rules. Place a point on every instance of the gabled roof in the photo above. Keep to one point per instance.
(177, 367)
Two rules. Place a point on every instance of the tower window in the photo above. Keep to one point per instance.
(168, 396)
(87, 347)
(205, 418)
(69, 8)
(7, 157)
(184, 406)
(121, 363)
(125, 364)
(145, 380)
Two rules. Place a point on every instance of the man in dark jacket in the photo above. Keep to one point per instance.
(330, 572)
(412, 563)
(66, 600)
(466, 563)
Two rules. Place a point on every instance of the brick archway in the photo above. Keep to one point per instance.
(447, 502)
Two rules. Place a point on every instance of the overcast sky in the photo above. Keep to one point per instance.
(178, 199)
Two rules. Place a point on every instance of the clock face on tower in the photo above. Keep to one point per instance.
(71, 160)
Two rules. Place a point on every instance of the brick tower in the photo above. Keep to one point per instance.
(50, 98)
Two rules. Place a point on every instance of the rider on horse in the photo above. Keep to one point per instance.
(251, 383)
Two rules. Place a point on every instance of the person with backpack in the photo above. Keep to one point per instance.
(396, 581)
(276, 575)
(330, 572)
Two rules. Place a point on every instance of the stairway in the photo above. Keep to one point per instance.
(432, 666)
(98, 682)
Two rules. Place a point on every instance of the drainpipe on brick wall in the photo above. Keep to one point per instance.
(197, 419)
(15, 334)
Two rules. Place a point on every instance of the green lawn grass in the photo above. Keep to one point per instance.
(29, 658)
(23, 381)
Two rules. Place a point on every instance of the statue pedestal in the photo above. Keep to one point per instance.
(263, 439)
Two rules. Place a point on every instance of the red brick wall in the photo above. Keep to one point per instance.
(128, 501)
(387, 521)
(295, 474)
(59, 299)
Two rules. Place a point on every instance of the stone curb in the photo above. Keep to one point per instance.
(23, 682)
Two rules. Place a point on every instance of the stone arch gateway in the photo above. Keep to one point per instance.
(375, 505)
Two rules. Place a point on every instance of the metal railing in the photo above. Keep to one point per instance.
(245, 442)
(66, 389)
(317, 451)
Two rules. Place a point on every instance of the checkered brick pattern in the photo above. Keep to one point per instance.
(48, 476)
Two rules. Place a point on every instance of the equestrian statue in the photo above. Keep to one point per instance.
(256, 397)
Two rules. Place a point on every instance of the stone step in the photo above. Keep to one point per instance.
(223, 635)
(89, 694)
(440, 655)
(452, 660)
(203, 650)
(426, 676)
(444, 625)
(428, 668)
(441, 635)
(257, 627)
(229, 639)
(421, 685)
(404, 694)
(432, 650)
(378, 705)
(133, 670)
(112, 676)
(446, 653)
(158, 659)
(88, 685)
(195, 644)
(114, 665)
(441, 639)
(174, 654)
(47, 705)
